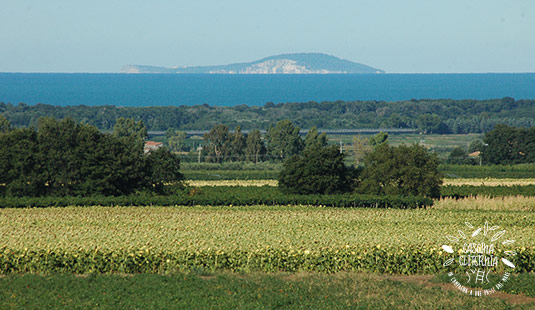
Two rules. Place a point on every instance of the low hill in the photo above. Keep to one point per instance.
(302, 63)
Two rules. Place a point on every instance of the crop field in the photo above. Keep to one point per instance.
(264, 238)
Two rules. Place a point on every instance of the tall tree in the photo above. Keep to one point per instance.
(218, 143)
(361, 147)
(176, 140)
(131, 129)
(283, 140)
(5, 125)
(238, 143)
(314, 139)
(255, 146)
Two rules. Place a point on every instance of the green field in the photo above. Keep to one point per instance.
(223, 290)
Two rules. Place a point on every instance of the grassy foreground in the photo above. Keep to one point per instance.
(242, 291)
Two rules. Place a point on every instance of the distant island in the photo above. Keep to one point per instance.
(301, 63)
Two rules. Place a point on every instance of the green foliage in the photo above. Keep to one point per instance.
(378, 139)
(218, 143)
(313, 139)
(459, 157)
(163, 168)
(237, 145)
(255, 150)
(487, 191)
(318, 170)
(520, 171)
(223, 196)
(283, 140)
(176, 140)
(402, 170)
(130, 129)
(431, 123)
(5, 125)
(63, 158)
(509, 145)
(461, 116)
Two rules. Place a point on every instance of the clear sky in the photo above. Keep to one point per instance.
(398, 36)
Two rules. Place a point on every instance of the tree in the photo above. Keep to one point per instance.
(459, 156)
(509, 145)
(163, 167)
(361, 147)
(177, 141)
(379, 139)
(255, 146)
(317, 170)
(238, 142)
(314, 139)
(218, 143)
(283, 140)
(5, 125)
(431, 123)
(130, 129)
(402, 170)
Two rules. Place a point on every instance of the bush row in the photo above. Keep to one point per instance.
(231, 174)
(224, 195)
(489, 191)
(395, 261)
(520, 171)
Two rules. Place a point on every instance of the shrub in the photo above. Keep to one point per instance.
(402, 170)
(318, 170)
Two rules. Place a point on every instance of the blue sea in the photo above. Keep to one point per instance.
(135, 90)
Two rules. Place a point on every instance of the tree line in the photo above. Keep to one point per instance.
(281, 141)
(65, 158)
(428, 116)
(504, 145)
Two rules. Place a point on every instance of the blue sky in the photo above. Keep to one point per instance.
(409, 36)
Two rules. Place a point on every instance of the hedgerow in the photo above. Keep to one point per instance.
(224, 196)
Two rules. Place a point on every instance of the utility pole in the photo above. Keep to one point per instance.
(341, 146)
(200, 150)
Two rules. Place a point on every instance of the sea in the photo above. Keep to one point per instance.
(141, 90)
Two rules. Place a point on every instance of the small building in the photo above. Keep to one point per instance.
(474, 154)
(151, 146)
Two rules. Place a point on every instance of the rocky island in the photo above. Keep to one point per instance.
(301, 63)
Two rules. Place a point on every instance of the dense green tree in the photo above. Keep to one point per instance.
(476, 145)
(314, 139)
(459, 156)
(431, 123)
(283, 140)
(317, 170)
(5, 125)
(255, 150)
(131, 129)
(163, 168)
(402, 170)
(238, 144)
(461, 116)
(509, 145)
(65, 158)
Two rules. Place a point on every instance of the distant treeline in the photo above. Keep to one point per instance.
(429, 116)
